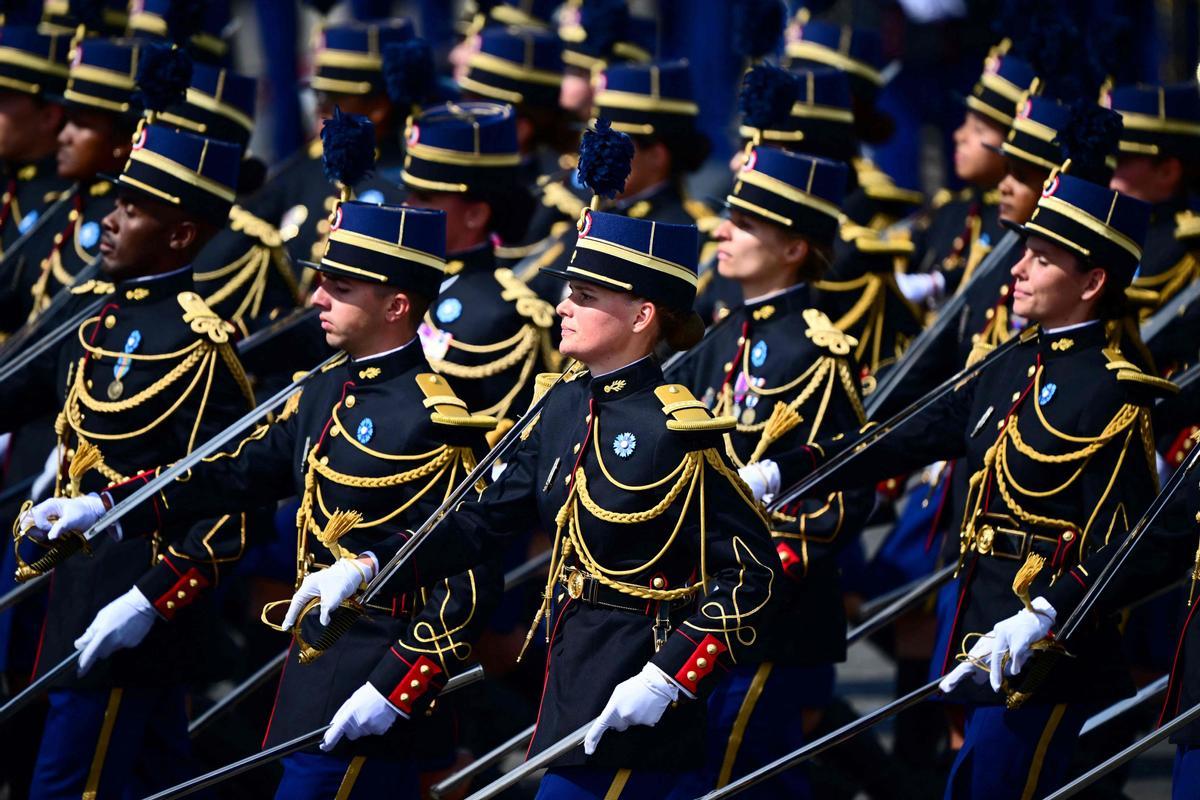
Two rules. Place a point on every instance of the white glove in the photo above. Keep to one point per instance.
(333, 585)
(365, 713)
(762, 477)
(920, 286)
(49, 519)
(121, 624)
(641, 700)
(978, 654)
(1016, 636)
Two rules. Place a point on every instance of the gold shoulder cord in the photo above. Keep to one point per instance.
(523, 347)
(1128, 420)
(1162, 287)
(249, 272)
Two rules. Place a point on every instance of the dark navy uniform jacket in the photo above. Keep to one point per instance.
(1056, 437)
(362, 440)
(657, 541)
(148, 378)
(774, 355)
(958, 234)
(28, 190)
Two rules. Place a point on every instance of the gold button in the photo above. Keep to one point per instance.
(324, 460)
(334, 430)
(181, 594)
(658, 583)
(728, 365)
(991, 312)
(712, 649)
(170, 605)
(110, 322)
(701, 662)
(193, 583)
(741, 340)
(673, 389)
(1016, 396)
(404, 697)
(58, 237)
(784, 555)
(350, 401)
(1069, 536)
(575, 449)
(416, 684)
(999, 424)
(424, 669)
(89, 383)
(74, 215)
(567, 480)
(1004, 291)
(433, 378)
(691, 676)
(1029, 372)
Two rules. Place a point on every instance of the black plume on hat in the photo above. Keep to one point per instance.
(164, 74)
(767, 96)
(758, 27)
(1088, 141)
(605, 159)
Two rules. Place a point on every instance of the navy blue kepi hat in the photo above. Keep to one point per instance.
(1158, 120)
(516, 65)
(194, 173)
(31, 62)
(649, 259)
(462, 147)
(801, 193)
(1099, 224)
(103, 75)
(393, 245)
(219, 103)
(348, 59)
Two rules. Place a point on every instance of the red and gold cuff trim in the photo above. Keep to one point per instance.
(414, 684)
(181, 595)
(700, 664)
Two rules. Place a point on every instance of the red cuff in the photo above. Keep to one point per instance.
(793, 562)
(700, 664)
(182, 594)
(415, 683)
(1179, 448)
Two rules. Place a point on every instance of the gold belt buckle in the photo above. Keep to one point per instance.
(575, 582)
(983, 544)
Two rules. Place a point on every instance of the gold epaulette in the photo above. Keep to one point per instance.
(93, 287)
(704, 217)
(1129, 372)
(1187, 225)
(555, 195)
(255, 227)
(824, 334)
(869, 240)
(202, 319)
(685, 413)
(525, 300)
(100, 188)
(448, 409)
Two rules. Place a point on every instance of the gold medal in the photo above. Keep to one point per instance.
(115, 389)
(748, 416)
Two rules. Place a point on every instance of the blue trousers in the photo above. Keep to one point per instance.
(114, 743)
(311, 776)
(754, 717)
(1185, 778)
(1015, 755)
(599, 783)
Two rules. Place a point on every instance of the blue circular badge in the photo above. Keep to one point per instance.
(758, 355)
(624, 444)
(1047, 394)
(27, 221)
(366, 429)
(89, 234)
(134, 341)
(372, 196)
(449, 310)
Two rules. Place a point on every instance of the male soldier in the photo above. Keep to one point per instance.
(372, 445)
(33, 69)
(144, 380)
(487, 332)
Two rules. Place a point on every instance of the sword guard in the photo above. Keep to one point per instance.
(1049, 651)
(340, 621)
(71, 543)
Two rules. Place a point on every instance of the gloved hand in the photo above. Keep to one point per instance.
(333, 585)
(365, 713)
(762, 477)
(49, 519)
(1016, 636)
(641, 700)
(978, 654)
(121, 624)
(920, 286)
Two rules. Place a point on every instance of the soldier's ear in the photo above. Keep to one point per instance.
(183, 235)
(1093, 287)
(795, 251)
(645, 315)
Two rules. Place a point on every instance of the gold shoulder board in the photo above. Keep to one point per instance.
(686, 413)
(448, 409)
(202, 319)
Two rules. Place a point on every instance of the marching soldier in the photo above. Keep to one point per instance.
(779, 367)
(1056, 473)
(675, 602)
(487, 332)
(142, 381)
(33, 73)
(371, 446)
(198, 27)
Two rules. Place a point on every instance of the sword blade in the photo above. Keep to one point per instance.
(484, 762)
(21, 591)
(238, 694)
(33, 690)
(1152, 689)
(540, 761)
(900, 604)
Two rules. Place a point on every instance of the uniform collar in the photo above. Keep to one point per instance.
(153, 288)
(1072, 339)
(27, 171)
(480, 258)
(626, 380)
(778, 304)
(386, 365)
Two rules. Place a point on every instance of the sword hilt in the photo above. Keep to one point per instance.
(1049, 652)
(340, 621)
(68, 545)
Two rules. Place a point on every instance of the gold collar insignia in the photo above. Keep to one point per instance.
(615, 386)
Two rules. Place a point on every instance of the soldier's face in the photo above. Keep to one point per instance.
(27, 127)
(1020, 190)
(467, 221)
(352, 312)
(752, 251)
(576, 93)
(973, 162)
(1050, 287)
(599, 323)
(135, 235)
(89, 143)
(1153, 180)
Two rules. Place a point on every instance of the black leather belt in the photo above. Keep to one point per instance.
(997, 535)
(587, 589)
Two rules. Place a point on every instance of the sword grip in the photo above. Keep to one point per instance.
(340, 621)
(1033, 677)
(59, 552)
